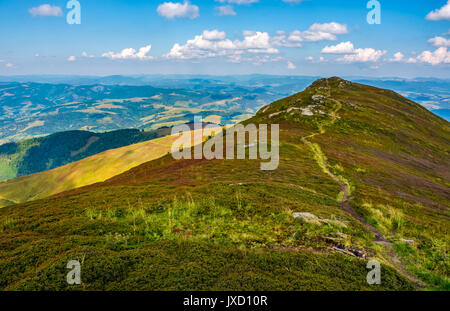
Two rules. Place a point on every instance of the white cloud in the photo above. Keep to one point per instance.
(256, 42)
(293, 1)
(72, 58)
(9, 65)
(213, 43)
(440, 14)
(431, 105)
(282, 39)
(441, 55)
(46, 10)
(214, 34)
(312, 60)
(439, 41)
(130, 53)
(334, 28)
(316, 32)
(261, 59)
(290, 65)
(311, 36)
(238, 1)
(399, 57)
(172, 10)
(363, 56)
(85, 54)
(341, 48)
(353, 55)
(225, 10)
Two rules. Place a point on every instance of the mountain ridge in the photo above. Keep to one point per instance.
(158, 220)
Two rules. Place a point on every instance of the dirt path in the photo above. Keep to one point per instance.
(345, 186)
(346, 195)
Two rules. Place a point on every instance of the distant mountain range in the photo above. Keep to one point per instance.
(36, 109)
(41, 105)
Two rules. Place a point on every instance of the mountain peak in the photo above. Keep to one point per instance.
(329, 82)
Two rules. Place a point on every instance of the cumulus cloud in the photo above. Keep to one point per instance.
(291, 65)
(440, 14)
(85, 54)
(46, 10)
(399, 57)
(341, 48)
(313, 60)
(440, 56)
(172, 10)
(333, 28)
(225, 10)
(315, 33)
(130, 53)
(353, 55)
(286, 40)
(363, 56)
(439, 41)
(72, 58)
(214, 35)
(214, 43)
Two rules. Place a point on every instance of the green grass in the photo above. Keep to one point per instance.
(227, 225)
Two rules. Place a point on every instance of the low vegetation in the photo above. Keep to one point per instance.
(227, 225)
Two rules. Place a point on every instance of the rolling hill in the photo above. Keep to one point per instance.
(93, 169)
(44, 153)
(370, 167)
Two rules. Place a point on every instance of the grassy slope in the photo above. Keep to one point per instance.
(225, 224)
(40, 154)
(97, 168)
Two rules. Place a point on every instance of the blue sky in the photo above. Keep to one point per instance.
(309, 37)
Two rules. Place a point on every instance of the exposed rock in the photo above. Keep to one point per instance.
(408, 241)
(317, 97)
(274, 114)
(304, 215)
(307, 111)
(307, 217)
(293, 108)
(311, 218)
